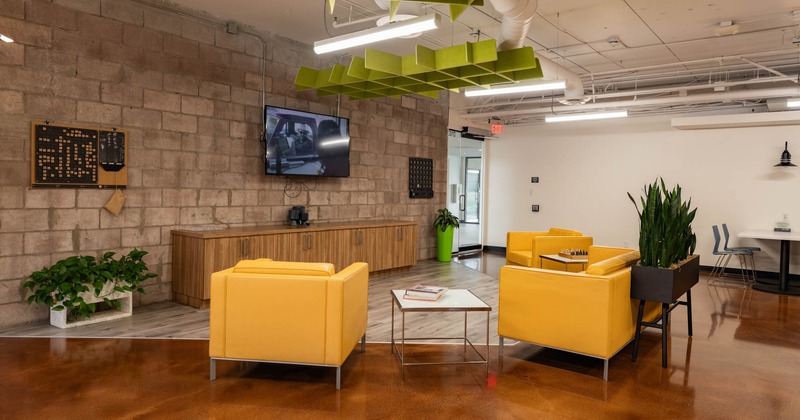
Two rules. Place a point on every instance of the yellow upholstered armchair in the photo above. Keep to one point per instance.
(524, 248)
(588, 313)
(287, 312)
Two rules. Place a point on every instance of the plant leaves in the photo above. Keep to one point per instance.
(665, 231)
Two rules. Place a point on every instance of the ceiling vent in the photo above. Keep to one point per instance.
(476, 133)
(760, 119)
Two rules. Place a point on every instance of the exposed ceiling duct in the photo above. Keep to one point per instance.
(661, 101)
(517, 19)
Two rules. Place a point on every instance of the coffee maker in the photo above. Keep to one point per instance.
(298, 216)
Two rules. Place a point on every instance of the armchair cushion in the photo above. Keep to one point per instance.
(267, 266)
(563, 232)
(524, 248)
(250, 266)
(613, 264)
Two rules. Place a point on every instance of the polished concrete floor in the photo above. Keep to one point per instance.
(741, 363)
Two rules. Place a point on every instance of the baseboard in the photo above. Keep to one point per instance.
(495, 249)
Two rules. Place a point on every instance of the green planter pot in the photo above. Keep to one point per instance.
(444, 244)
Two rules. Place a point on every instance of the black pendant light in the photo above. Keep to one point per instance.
(786, 157)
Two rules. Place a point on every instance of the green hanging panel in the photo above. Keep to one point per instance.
(425, 72)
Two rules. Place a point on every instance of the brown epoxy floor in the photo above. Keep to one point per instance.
(741, 363)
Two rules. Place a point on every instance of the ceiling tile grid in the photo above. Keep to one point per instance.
(667, 43)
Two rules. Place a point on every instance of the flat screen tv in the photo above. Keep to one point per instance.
(305, 143)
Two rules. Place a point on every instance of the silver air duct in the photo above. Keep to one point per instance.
(517, 19)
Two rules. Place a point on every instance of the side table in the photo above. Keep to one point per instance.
(454, 300)
(563, 260)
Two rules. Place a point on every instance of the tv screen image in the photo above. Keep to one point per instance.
(305, 143)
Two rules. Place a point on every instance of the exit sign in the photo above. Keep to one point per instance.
(497, 128)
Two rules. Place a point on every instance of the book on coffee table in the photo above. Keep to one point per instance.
(424, 292)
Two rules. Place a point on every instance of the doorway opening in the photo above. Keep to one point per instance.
(464, 180)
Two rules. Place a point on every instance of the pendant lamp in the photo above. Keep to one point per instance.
(786, 157)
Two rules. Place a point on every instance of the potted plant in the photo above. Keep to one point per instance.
(72, 287)
(667, 269)
(444, 224)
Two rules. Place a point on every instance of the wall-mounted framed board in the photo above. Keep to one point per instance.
(420, 177)
(78, 157)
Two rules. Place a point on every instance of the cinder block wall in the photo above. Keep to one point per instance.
(190, 96)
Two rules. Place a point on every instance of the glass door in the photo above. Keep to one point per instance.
(471, 209)
(464, 180)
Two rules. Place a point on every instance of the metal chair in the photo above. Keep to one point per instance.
(752, 249)
(724, 257)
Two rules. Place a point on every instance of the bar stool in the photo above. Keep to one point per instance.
(752, 249)
(723, 257)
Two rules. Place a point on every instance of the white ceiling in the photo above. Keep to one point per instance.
(669, 45)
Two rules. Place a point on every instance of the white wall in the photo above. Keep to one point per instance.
(586, 169)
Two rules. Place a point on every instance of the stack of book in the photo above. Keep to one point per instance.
(423, 292)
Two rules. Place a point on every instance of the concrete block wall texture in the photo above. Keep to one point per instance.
(190, 97)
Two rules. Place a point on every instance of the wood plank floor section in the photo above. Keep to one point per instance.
(175, 321)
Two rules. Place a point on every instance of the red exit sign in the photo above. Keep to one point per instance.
(497, 128)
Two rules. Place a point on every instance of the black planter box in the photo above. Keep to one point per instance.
(663, 284)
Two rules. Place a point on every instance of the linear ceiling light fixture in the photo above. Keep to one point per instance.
(793, 103)
(5, 38)
(517, 88)
(580, 117)
(382, 33)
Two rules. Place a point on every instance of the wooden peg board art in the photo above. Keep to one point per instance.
(78, 157)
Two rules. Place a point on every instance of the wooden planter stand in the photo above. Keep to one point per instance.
(59, 318)
(665, 286)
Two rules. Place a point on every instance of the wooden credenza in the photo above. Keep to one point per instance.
(383, 244)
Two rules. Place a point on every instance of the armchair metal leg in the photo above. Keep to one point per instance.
(213, 373)
(501, 347)
(338, 377)
(364, 343)
(605, 370)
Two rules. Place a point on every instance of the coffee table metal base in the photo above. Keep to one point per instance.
(399, 347)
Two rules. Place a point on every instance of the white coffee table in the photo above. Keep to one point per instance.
(455, 300)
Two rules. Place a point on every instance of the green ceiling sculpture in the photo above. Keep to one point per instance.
(381, 74)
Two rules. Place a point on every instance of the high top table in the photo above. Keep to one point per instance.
(786, 238)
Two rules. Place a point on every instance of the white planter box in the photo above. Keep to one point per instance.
(59, 318)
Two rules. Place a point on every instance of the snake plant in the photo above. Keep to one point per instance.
(665, 226)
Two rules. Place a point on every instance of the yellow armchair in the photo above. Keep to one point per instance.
(287, 312)
(524, 248)
(589, 313)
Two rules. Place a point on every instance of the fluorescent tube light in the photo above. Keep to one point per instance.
(580, 117)
(5, 38)
(368, 36)
(793, 103)
(518, 88)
